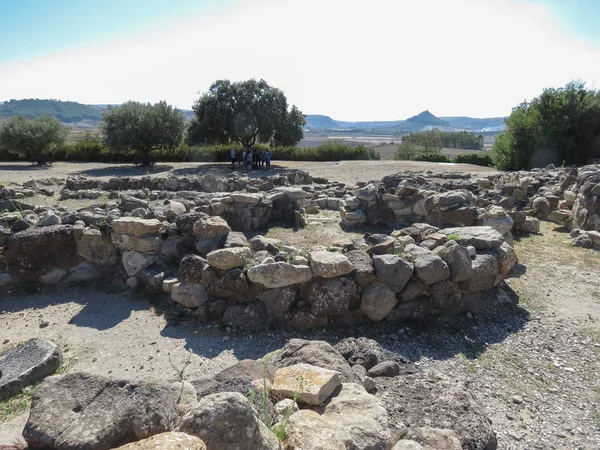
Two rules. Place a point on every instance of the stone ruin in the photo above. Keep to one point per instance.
(446, 250)
(450, 248)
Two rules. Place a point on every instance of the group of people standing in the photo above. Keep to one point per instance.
(252, 159)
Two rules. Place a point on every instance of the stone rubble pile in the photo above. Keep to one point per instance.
(514, 201)
(351, 396)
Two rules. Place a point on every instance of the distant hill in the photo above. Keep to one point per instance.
(426, 118)
(422, 121)
(67, 112)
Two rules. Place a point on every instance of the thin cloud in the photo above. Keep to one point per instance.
(376, 60)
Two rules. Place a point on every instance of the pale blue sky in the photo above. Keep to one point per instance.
(350, 59)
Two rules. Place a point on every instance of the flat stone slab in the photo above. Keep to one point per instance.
(27, 363)
(313, 384)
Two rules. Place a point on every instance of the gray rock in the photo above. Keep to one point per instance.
(429, 269)
(364, 266)
(481, 237)
(190, 295)
(279, 301)
(47, 220)
(541, 206)
(169, 210)
(377, 301)
(206, 245)
(384, 369)
(130, 203)
(485, 271)
(250, 317)
(393, 270)
(407, 444)
(26, 364)
(458, 260)
(236, 239)
(192, 268)
(228, 421)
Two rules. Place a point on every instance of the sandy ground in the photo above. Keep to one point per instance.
(348, 172)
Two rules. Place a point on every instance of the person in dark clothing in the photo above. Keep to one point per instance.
(268, 159)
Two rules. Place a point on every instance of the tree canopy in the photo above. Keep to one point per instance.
(33, 139)
(140, 128)
(560, 126)
(247, 112)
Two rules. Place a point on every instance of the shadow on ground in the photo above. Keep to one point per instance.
(438, 338)
(25, 167)
(224, 170)
(101, 310)
(124, 170)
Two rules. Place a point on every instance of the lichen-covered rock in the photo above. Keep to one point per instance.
(480, 237)
(332, 297)
(211, 227)
(134, 262)
(363, 264)
(229, 258)
(170, 440)
(429, 268)
(226, 421)
(458, 260)
(136, 226)
(279, 274)
(329, 265)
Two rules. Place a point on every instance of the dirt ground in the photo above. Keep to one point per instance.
(348, 172)
(533, 367)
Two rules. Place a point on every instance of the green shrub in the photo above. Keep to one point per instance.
(478, 159)
(431, 157)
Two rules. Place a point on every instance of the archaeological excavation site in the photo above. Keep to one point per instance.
(291, 311)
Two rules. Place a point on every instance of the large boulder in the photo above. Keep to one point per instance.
(377, 301)
(458, 260)
(316, 353)
(309, 430)
(228, 421)
(83, 411)
(430, 398)
(228, 258)
(360, 418)
(170, 440)
(279, 274)
(136, 226)
(34, 252)
(192, 268)
(26, 364)
(485, 272)
(332, 297)
(97, 248)
(393, 271)
(329, 265)
(149, 243)
(429, 268)
(211, 227)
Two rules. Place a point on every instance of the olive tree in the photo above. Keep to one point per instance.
(33, 139)
(246, 112)
(140, 128)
